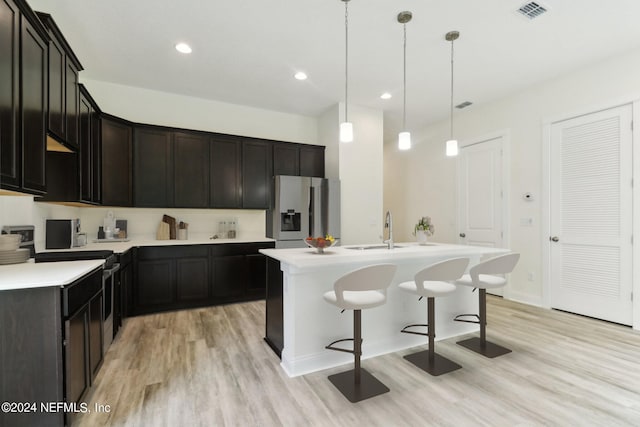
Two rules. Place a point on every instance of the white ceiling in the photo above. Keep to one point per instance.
(246, 51)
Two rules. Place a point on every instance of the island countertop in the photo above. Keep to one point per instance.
(307, 259)
(308, 323)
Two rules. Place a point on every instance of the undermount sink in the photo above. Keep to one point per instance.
(366, 247)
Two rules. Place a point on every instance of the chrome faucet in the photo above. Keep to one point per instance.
(388, 223)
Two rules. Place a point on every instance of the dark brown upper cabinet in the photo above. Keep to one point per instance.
(286, 159)
(312, 160)
(23, 99)
(226, 172)
(116, 161)
(191, 170)
(64, 90)
(257, 170)
(298, 159)
(33, 66)
(90, 149)
(153, 167)
(9, 96)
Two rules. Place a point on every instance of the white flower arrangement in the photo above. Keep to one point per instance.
(424, 224)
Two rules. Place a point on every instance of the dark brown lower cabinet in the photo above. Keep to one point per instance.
(192, 279)
(50, 348)
(274, 333)
(229, 276)
(177, 277)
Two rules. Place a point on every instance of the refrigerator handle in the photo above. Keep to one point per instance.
(311, 211)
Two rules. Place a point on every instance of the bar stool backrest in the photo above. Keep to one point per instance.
(450, 269)
(371, 278)
(501, 264)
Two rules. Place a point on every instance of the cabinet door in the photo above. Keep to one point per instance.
(57, 90)
(9, 94)
(33, 109)
(96, 156)
(229, 276)
(226, 180)
(312, 161)
(72, 99)
(192, 279)
(286, 159)
(116, 163)
(153, 168)
(256, 174)
(86, 151)
(191, 167)
(95, 334)
(274, 317)
(156, 284)
(76, 357)
(256, 274)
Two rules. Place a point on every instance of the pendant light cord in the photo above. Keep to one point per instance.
(346, 59)
(451, 109)
(404, 80)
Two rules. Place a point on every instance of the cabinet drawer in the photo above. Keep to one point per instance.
(80, 292)
(160, 252)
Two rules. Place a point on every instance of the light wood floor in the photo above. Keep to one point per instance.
(210, 367)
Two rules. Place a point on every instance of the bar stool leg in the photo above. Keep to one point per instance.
(428, 360)
(357, 384)
(481, 345)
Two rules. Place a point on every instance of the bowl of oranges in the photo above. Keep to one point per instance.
(321, 243)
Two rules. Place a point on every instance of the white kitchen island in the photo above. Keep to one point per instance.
(310, 323)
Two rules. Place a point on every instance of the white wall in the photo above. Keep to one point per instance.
(167, 109)
(358, 165)
(361, 177)
(424, 181)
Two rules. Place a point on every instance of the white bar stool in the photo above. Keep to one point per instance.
(432, 282)
(360, 289)
(481, 276)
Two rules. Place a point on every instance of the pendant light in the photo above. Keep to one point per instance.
(346, 127)
(404, 137)
(452, 144)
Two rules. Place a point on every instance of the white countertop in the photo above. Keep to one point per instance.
(309, 259)
(135, 241)
(31, 275)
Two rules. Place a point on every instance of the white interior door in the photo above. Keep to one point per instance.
(591, 215)
(481, 195)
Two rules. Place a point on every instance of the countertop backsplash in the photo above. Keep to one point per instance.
(141, 222)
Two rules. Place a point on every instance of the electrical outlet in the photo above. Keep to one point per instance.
(530, 276)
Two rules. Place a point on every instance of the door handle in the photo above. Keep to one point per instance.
(554, 239)
(463, 235)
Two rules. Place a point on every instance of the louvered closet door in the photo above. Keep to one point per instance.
(591, 217)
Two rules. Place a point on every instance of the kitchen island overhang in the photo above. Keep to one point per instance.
(309, 323)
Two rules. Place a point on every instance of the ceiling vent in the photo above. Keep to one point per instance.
(532, 10)
(464, 105)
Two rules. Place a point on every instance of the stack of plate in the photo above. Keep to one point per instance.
(9, 249)
(14, 257)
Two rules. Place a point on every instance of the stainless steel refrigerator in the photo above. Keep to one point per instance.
(302, 207)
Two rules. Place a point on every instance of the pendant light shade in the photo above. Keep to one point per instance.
(404, 137)
(452, 144)
(346, 127)
(452, 148)
(404, 140)
(346, 132)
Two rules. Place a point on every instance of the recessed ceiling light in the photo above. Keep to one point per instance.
(300, 75)
(183, 48)
(385, 95)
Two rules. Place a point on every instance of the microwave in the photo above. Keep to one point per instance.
(63, 234)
